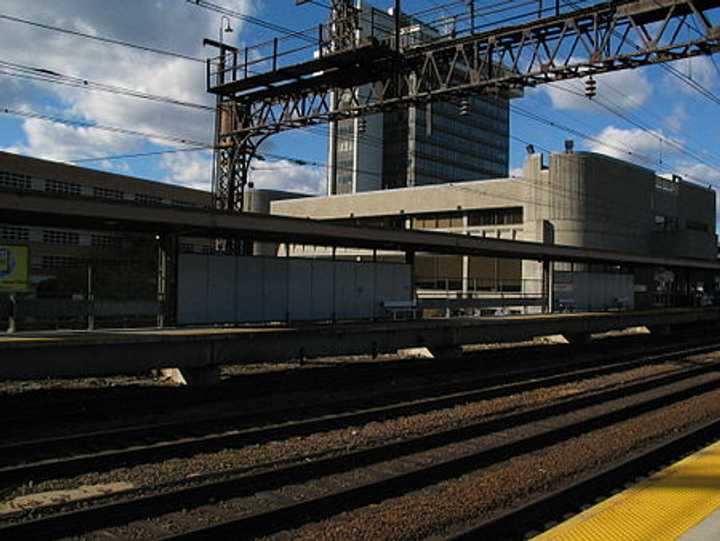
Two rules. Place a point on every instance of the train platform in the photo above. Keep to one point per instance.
(34, 355)
(680, 502)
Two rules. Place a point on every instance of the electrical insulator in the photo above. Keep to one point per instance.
(362, 125)
(464, 107)
(591, 88)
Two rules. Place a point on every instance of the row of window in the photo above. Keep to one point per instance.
(15, 181)
(444, 220)
(15, 233)
(53, 236)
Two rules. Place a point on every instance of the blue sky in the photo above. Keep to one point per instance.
(674, 114)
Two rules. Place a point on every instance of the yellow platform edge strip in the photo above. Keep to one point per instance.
(662, 507)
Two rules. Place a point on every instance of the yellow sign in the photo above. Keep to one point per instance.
(14, 268)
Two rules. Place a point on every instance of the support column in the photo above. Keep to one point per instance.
(90, 299)
(167, 280)
(547, 286)
(410, 260)
(12, 317)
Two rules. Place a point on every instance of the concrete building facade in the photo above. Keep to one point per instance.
(59, 256)
(578, 199)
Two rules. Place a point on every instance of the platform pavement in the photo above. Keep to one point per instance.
(680, 502)
(123, 351)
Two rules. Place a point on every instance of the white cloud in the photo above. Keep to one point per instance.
(635, 145)
(700, 173)
(700, 69)
(677, 118)
(194, 170)
(626, 88)
(516, 172)
(52, 141)
(189, 169)
(286, 176)
(163, 24)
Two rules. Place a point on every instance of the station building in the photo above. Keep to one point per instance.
(59, 257)
(577, 199)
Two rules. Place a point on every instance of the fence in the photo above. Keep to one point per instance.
(77, 313)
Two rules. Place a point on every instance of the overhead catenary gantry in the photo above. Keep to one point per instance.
(260, 97)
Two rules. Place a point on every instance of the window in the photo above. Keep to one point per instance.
(439, 220)
(383, 222)
(107, 193)
(502, 216)
(148, 199)
(697, 226)
(666, 223)
(60, 261)
(58, 186)
(667, 185)
(15, 233)
(105, 241)
(13, 181)
(178, 203)
(53, 236)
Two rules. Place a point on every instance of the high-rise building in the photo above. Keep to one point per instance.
(421, 145)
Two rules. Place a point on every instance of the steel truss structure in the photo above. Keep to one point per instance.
(598, 39)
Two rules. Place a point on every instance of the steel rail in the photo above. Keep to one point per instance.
(179, 439)
(89, 515)
(535, 515)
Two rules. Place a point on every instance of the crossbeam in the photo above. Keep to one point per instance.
(599, 39)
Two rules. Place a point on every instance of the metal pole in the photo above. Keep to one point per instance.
(396, 12)
(90, 299)
(12, 319)
(472, 16)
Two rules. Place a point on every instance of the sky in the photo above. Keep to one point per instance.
(680, 134)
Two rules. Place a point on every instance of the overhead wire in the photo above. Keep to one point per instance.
(85, 35)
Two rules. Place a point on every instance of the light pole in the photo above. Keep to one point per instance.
(227, 27)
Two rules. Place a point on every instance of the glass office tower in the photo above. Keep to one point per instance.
(418, 146)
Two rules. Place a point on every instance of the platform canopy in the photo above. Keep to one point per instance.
(32, 208)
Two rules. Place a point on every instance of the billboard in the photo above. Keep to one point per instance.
(14, 268)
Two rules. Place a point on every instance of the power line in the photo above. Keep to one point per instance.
(53, 77)
(111, 129)
(139, 155)
(111, 41)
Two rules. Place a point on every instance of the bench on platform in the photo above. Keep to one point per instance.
(398, 308)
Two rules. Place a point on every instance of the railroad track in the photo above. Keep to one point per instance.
(102, 450)
(548, 510)
(367, 476)
(94, 404)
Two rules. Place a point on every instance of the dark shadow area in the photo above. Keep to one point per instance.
(328, 379)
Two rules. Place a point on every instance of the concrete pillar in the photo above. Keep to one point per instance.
(578, 339)
(436, 352)
(660, 330)
(12, 317)
(446, 352)
(547, 286)
(196, 377)
(410, 260)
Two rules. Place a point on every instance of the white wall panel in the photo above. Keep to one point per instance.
(192, 289)
(222, 289)
(250, 297)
